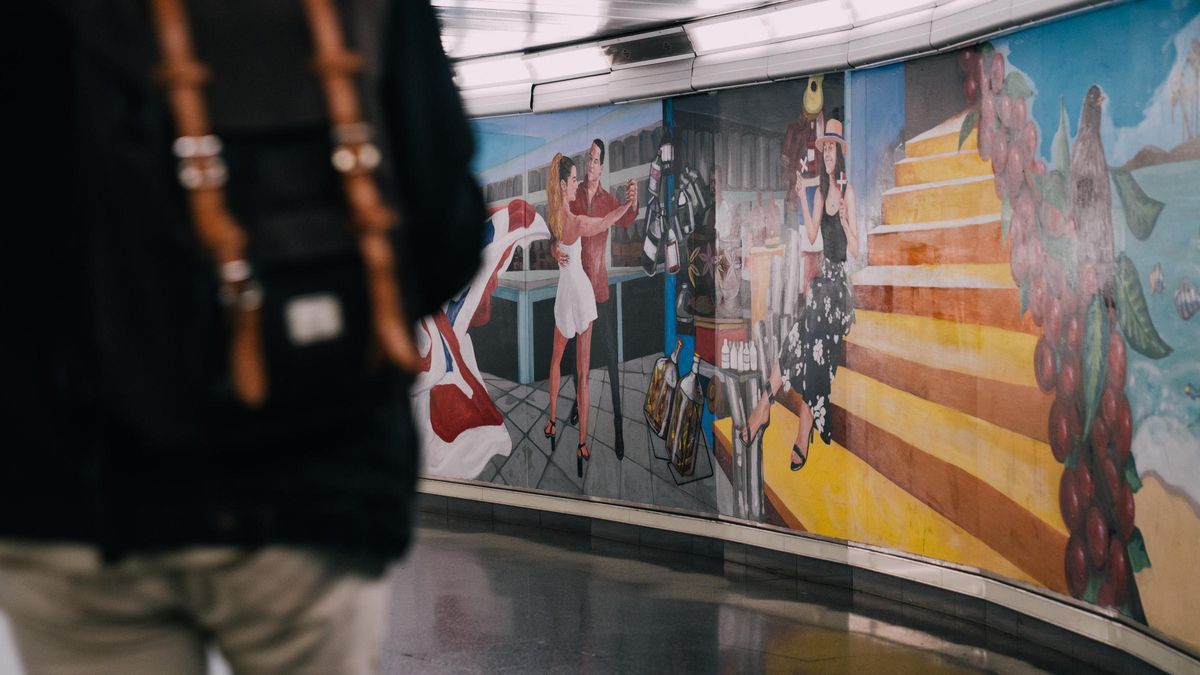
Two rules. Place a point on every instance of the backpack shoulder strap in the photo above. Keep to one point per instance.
(356, 157)
(202, 173)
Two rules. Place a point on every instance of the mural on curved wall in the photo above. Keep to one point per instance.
(945, 306)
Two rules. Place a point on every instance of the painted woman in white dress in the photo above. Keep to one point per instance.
(575, 301)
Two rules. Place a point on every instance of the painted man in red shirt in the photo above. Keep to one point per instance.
(593, 200)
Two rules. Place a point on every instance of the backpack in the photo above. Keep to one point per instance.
(281, 309)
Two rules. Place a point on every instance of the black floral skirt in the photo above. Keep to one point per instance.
(813, 349)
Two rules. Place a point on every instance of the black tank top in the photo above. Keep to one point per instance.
(834, 236)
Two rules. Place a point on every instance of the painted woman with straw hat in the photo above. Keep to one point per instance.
(812, 349)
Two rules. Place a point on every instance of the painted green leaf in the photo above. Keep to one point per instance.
(1006, 212)
(1141, 210)
(1138, 558)
(1073, 456)
(1016, 85)
(968, 125)
(1054, 190)
(1134, 315)
(1131, 475)
(988, 50)
(1060, 151)
(1095, 360)
(1062, 249)
(1095, 581)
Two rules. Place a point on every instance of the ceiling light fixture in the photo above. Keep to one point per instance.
(808, 18)
(728, 33)
(489, 72)
(867, 11)
(562, 64)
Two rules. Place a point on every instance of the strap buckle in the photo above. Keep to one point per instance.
(239, 289)
(354, 152)
(200, 164)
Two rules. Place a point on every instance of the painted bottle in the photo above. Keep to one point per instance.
(684, 429)
(663, 379)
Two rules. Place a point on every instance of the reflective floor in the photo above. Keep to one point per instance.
(474, 597)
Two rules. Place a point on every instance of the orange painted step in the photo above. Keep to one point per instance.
(971, 197)
(998, 307)
(937, 168)
(982, 294)
(976, 240)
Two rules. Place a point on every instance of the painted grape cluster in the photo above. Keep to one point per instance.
(1081, 355)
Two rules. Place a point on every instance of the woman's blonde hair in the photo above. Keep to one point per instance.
(560, 170)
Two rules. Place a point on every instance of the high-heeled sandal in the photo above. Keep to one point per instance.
(552, 434)
(796, 466)
(581, 456)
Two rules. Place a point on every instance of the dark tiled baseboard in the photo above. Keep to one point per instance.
(968, 619)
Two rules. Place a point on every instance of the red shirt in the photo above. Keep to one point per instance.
(594, 247)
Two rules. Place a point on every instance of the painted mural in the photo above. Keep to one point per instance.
(946, 306)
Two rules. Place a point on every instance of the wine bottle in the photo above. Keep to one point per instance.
(686, 410)
(663, 379)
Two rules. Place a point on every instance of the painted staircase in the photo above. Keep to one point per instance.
(940, 431)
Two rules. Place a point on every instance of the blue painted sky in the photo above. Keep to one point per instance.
(1128, 49)
(502, 139)
(876, 122)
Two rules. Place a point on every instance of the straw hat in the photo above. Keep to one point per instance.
(833, 134)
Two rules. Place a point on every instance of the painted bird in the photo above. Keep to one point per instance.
(1091, 194)
(1192, 392)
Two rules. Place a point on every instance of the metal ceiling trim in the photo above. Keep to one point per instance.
(580, 92)
(742, 66)
(506, 99)
(900, 37)
(961, 19)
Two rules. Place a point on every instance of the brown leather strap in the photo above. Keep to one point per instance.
(356, 157)
(202, 172)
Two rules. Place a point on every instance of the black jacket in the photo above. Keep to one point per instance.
(101, 264)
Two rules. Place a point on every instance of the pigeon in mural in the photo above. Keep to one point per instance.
(1091, 194)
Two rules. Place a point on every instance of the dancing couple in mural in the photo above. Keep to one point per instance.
(812, 348)
(579, 238)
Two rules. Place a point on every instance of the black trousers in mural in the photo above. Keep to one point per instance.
(604, 344)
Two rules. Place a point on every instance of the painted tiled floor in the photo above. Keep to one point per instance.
(640, 477)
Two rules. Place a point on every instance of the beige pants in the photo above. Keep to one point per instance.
(278, 610)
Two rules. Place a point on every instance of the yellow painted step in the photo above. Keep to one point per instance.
(945, 200)
(839, 495)
(980, 351)
(1018, 466)
(951, 275)
(941, 139)
(937, 168)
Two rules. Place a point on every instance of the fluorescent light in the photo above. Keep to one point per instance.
(866, 11)
(488, 72)
(563, 64)
(808, 18)
(714, 36)
(480, 42)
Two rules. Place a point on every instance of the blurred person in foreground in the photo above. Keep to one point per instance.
(146, 513)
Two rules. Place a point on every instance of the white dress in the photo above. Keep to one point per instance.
(575, 301)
